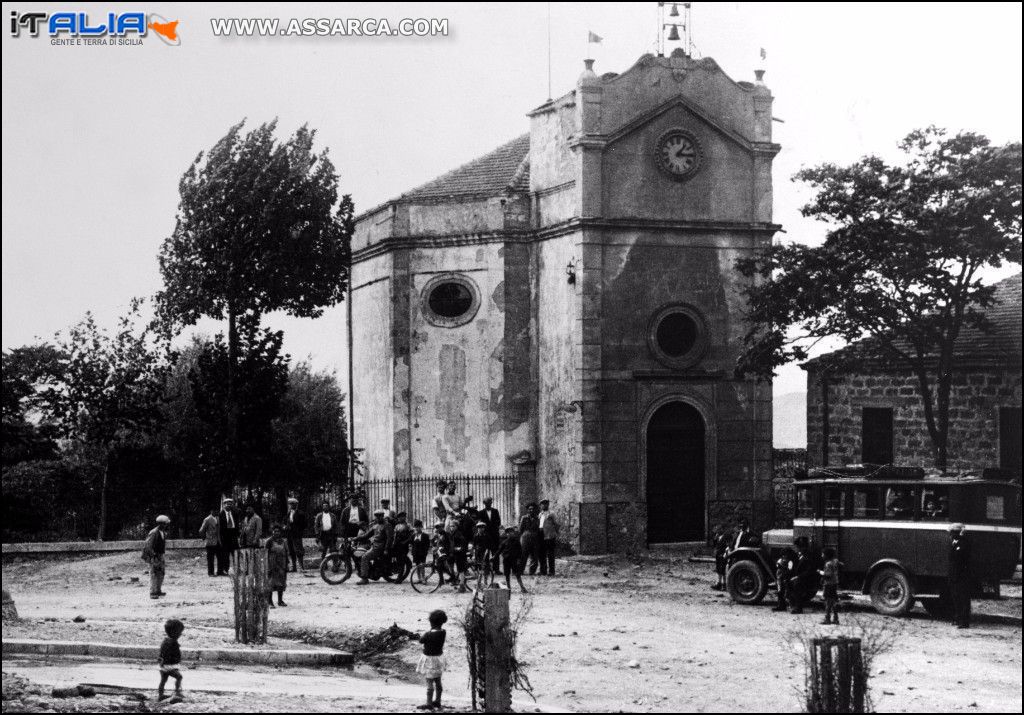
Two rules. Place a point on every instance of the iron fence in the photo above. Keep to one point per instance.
(415, 495)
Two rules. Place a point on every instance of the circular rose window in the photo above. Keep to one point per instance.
(450, 300)
(677, 336)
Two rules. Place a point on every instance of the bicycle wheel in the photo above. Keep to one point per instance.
(335, 569)
(427, 582)
(396, 571)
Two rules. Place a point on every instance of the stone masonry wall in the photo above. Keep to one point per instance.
(976, 398)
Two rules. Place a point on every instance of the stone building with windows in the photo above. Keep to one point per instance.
(874, 414)
(566, 308)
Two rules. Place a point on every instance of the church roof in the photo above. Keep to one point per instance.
(507, 168)
(1001, 344)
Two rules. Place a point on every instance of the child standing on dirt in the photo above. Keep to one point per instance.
(511, 552)
(170, 658)
(830, 585)
(420, 546)
(432, 663)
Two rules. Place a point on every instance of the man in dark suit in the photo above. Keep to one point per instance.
(960, 575)
(802, 576)
(295, 529)
(492, 518)
(230, 520)
(352, 518)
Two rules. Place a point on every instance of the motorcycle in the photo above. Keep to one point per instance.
(338, 566)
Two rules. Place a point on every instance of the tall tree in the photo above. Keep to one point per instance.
(25, 370)
(107, 390)
(899, 272)
(310, 445)
(260, 228)
(262, 383)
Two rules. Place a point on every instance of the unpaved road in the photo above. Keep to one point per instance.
(689, 647)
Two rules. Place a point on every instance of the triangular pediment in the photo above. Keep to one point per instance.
(676, 102)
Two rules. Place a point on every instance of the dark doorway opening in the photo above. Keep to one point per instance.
(675, 474)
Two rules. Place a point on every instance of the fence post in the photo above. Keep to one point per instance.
(250, 592)
(835, 678)
(498, 682)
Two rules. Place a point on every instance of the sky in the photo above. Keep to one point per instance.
(96, 138)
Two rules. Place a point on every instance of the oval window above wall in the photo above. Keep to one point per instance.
(677, 335)
(449, 300)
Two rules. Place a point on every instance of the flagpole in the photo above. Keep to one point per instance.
(549, 52)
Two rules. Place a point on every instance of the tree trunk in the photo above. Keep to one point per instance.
(232, 405)
(101, 532)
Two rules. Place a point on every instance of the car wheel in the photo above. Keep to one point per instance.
(746, 583)
(891, 593)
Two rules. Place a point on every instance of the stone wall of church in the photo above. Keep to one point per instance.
(557, 304)
(976, 397)
(641, 272)
(372, 365)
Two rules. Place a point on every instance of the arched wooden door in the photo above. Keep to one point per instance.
(675, 474)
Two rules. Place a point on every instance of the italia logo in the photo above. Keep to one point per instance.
(80, 25)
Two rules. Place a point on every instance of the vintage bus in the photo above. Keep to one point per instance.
(890, 528)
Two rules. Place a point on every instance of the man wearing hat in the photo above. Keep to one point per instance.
(294, 529)
(379, 536)
(153, 554)
(529, 536)
(492, 518)
(389, 513)
(230, 523)
(960, 575)
(548, 538)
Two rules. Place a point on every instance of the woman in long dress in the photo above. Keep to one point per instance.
(277, 565)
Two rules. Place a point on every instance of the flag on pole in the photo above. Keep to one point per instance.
(764, 55)
(593, 37)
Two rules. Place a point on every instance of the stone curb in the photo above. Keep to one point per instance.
(77, 547)
(12, 646)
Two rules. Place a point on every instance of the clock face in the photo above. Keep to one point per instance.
(678, 154)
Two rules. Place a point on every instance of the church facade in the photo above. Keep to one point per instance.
(566, 308)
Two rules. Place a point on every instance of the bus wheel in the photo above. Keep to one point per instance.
(746, 583)
(891, 594)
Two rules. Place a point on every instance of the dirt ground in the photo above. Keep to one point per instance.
(608, 636)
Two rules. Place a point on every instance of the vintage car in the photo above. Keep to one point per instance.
(890, 528)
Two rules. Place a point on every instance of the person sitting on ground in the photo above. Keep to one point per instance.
(511, 552)
(433, 663)
(170, 658)
(420, 546)
(277, 565)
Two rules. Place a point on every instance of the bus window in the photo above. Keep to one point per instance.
(805, 502)
(835, 502)
(866, 503)
(899, 502)
(934, 503)
(995, 507)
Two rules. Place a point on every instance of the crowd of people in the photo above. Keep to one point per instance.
(462, 534)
